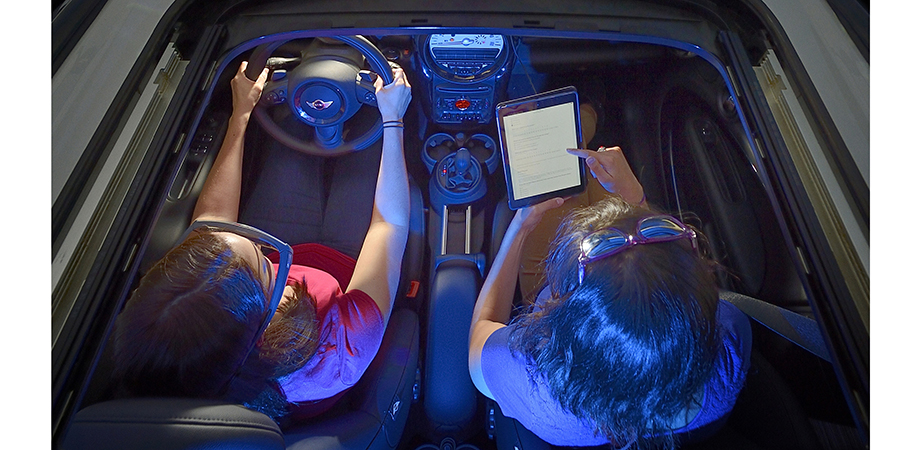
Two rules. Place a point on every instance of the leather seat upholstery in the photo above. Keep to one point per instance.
(370, 416)
(171, 423)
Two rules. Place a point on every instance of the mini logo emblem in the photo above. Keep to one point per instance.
(319, 105)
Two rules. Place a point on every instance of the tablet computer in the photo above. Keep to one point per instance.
(534, 133)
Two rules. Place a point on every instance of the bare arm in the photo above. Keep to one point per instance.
(220, 196)
(493, 307)
(379, 263)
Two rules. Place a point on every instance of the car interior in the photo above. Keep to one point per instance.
(669, 105)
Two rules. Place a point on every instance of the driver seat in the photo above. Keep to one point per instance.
(372, 415)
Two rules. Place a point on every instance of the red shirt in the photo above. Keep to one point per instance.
(351, 328)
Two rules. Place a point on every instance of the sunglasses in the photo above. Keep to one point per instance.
(608, 242)
(267, 244)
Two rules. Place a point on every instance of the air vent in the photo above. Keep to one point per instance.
(477, 54)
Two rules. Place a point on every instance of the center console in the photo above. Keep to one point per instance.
(459, 166)
(466, 75)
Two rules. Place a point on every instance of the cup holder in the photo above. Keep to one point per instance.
(436, 147)
(458, 165)
(481, 146)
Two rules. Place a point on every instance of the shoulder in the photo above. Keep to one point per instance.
(527, 398)
(350, 332)
(735, 329)
(496, 354)
(731, 365)
(354, 312)
(506, 374)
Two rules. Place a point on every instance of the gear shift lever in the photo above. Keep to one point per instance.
(459, 177)
(462, 161)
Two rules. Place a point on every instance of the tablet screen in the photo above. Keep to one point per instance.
(537, 159)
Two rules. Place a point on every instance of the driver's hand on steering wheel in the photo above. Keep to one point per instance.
(393, 99)
(246, 92)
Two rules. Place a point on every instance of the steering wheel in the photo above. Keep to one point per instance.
(325, 89)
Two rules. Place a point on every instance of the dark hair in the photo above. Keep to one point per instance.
(286, 345)
(632, 346)
(292, 338)
(187, 329)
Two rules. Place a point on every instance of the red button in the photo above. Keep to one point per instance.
(462, 104)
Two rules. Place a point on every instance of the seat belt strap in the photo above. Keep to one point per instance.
(796, 328)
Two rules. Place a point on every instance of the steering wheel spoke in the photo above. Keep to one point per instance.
(367, 93)
(330, 136)
(274, 93)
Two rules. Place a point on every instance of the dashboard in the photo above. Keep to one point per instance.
(465, 73)
(465, 56)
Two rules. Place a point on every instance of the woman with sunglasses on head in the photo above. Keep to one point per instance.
(216, 318)
(628, 343)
